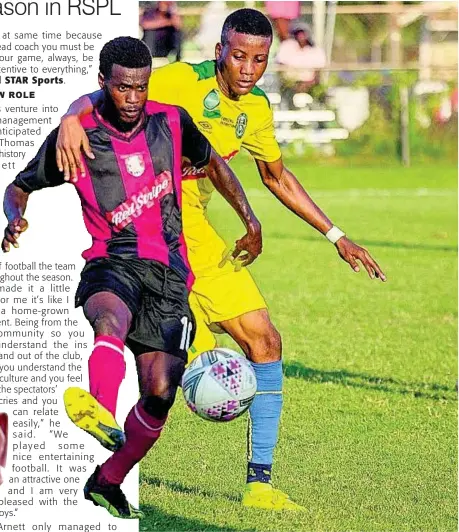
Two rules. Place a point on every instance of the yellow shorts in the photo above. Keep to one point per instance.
(218, 294)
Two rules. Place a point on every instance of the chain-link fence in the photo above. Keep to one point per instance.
(387, 88)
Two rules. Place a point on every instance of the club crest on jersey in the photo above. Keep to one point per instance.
(135, 165)
(241, 125)
(211, 102)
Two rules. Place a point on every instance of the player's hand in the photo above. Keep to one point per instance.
(250, 245)
(70, 141)
(12, 233)
(352, 253)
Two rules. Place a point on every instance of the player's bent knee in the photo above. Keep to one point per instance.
(267, 347)
(108, 315)
(159, 406)
(160, 396)
(110, 324)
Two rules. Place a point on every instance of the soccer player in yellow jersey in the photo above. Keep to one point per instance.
(228, 108)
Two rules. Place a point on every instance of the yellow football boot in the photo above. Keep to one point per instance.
(264, 496)
(88, 414)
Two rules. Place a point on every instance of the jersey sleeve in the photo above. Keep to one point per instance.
(166, 82)
(42, 171)
(195, 146)
(262, 143)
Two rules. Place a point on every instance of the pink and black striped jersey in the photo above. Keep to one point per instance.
(132, 193)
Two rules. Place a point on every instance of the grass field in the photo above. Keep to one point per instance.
(369, 435)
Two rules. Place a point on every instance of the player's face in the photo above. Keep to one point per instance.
(127, 89)
(241, 62)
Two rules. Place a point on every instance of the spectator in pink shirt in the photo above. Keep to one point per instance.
(304, 58)
(281, 15)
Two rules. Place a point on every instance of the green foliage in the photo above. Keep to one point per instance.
(380, 135)
(356, 36)
(190, 27)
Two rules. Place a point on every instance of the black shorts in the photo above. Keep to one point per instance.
(156, 296)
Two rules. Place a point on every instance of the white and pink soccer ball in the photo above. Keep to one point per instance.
(219, 385)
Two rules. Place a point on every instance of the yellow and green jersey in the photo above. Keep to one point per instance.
(227, 124)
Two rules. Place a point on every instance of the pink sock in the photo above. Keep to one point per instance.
(142, 431)
(107, 369)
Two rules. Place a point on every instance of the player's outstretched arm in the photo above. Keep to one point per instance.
(229, 187)
(287, 189)
(72, 138)
(41, 172)
(14, 206)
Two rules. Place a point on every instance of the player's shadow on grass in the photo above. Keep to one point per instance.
(160, 521)
(188, 490)
(422, 390)
(370, 243)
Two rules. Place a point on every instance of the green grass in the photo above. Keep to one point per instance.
(368, 437)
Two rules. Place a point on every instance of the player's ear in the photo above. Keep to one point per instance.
(218, 51)
(101, 80)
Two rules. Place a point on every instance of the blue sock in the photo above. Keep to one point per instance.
(264, 417)
(259, 473)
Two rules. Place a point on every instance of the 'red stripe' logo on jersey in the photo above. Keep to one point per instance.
(122, 215)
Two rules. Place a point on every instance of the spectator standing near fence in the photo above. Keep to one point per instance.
(281, 15)
(162, 30)
(304, 59)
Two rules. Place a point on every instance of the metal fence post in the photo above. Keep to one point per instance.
(405, 125)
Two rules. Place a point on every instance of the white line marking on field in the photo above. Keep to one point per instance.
(370, 193)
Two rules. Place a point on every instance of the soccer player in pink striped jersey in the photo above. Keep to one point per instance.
(135, 285)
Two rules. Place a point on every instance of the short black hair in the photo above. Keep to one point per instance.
(248, 21)
(124, 51)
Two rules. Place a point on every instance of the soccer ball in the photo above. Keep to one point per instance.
(219, 385)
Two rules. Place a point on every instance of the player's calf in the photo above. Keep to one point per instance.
(159, 374)
(261, 341)
(107, 369)
(103, 488)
